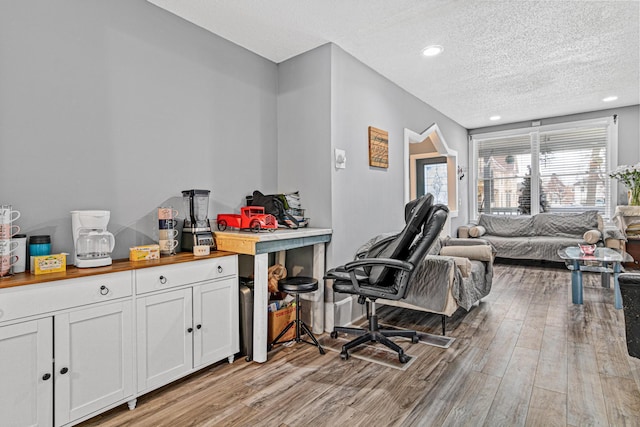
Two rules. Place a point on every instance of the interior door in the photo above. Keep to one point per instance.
(26, 380)
(93, 359)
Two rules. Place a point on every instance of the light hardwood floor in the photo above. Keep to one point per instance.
(525, 356)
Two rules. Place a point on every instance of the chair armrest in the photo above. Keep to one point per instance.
(378, 262)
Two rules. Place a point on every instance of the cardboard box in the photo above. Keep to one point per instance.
(48, 263)
(143, 253)
(278, 320)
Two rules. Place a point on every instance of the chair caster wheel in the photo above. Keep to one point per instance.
(321, 350)
(248, 358)
(344, 355)
(333, 335)
(415, 339)
(270, 347)
(403, 358)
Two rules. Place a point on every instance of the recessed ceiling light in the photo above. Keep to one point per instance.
(494, 118)
(610, 98)
(432, 50)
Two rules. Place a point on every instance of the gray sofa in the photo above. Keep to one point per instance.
(539, 237)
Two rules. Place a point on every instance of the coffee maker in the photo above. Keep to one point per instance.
(93, 243)
(196, 230)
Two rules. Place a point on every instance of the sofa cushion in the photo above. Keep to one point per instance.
(592, 236)
(476, 252)
(477, 231)
(568, 225)
(507, 225)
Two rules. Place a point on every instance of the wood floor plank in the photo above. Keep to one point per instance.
(511, 403)
(521, 356)
(547, 408)
(551, 373)
(585, 398)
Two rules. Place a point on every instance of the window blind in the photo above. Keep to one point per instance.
(502, 167)
(573, 169)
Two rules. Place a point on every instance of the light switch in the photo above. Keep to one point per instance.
(341, 159)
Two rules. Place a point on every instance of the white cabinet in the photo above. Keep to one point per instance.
(93, 359)
(183, 329)
(26, 373)
(75, 361)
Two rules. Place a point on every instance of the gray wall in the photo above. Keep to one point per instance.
(367, 201)
(628, 134)
(120, 105)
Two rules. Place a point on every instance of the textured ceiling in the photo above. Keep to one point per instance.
(519, 59)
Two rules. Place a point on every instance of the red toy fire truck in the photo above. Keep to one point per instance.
(251, 218)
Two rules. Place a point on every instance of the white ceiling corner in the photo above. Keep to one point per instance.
(520, 59)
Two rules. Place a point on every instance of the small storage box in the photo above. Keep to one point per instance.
(144, 253)
(278, 320)
(44, 264)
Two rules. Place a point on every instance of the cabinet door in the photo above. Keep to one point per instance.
(26, 376)
(165, 338)
(216, 320)
(93, 359)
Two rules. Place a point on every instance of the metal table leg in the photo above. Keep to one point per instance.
(576, 283)
(616, 286)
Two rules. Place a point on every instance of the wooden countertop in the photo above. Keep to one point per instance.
(72, 272)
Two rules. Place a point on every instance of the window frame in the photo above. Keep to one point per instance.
(611, 124)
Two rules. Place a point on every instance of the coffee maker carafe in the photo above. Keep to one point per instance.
(196, 230)
(93, 243)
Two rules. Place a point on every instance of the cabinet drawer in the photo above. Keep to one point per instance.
(29, 300)
(170, 276)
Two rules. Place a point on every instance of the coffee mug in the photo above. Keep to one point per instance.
(168, 234)
(7, 246)
(165, 224)
(6, 262)
(168, 246)
(7, 215)
(7, 231)
(167, 213)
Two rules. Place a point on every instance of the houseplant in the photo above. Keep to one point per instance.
(630, 176)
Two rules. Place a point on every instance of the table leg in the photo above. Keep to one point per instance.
(576, 283)
(318, 304)
(616, 286)
(605, 276)
(260, 301)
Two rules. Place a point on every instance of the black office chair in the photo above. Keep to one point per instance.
(385, 271)
(630, 290)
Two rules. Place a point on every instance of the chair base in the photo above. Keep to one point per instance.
(375, 334)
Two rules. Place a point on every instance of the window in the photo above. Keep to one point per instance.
(564, 168)
(432, 178)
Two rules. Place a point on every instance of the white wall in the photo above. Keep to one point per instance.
(120, 105)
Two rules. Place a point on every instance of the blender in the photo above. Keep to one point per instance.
(196, 230)
(93, 243)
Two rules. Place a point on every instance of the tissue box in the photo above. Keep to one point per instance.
(48, 263)
(143, 253)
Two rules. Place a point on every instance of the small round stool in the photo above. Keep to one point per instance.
(298, 285)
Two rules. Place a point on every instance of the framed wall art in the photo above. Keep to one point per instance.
(378, 147)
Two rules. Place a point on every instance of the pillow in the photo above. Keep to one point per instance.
(463, 264)
(477, 252)
(591, 236)
(477, 231)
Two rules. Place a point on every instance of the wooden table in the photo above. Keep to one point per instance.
(259, 245)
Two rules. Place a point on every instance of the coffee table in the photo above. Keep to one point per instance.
(603, 256)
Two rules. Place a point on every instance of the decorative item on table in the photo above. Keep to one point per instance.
(250, 218)
(588, 249)
(285, 207)
(630, 177)
(144, 252)
(53, 263)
